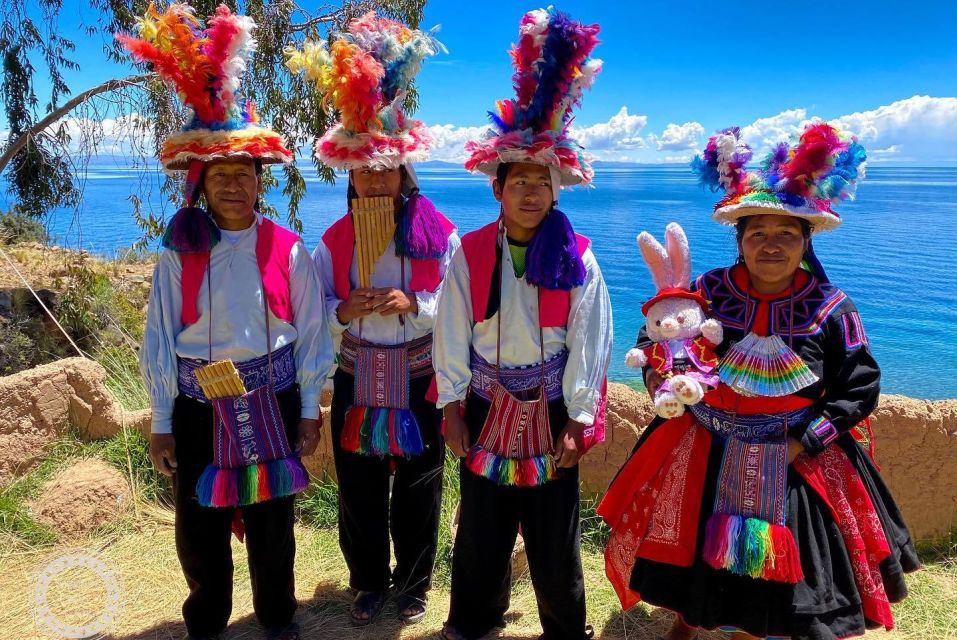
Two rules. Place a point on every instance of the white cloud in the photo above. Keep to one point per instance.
(449, 141)
(610, 140)
(764, 132)
(679, 136)
(922, 128)
(621, 131)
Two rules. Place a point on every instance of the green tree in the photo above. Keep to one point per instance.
(44, 163)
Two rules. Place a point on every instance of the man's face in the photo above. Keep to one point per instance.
(526, 194)
(371, 183)
(231, 187)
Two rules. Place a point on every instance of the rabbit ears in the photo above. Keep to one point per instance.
(670, 265)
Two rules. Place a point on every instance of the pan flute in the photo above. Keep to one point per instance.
(220, 380)
(374, 221)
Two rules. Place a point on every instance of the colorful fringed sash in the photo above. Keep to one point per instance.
(747, 532)
(380, 422)
(252, 459)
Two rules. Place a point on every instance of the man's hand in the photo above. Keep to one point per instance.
(652, 382)
(309, 436)
(163, 453)
(357, 305)
(388, 302)
(795, 448)
(456, 431)
(570, 445)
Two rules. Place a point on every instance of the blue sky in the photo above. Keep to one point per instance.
(680, 70)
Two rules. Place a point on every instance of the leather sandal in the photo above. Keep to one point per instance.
(369, 603)
(407, 602)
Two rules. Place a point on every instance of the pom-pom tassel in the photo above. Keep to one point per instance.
(553, 261)
(191, 230)
(351, 437)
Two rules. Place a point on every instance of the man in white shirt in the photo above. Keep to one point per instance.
(522, 340)
(231, 286)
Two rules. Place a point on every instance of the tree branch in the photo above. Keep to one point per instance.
(109, 85)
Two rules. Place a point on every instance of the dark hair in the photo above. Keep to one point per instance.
(501, 173)
(742, 224)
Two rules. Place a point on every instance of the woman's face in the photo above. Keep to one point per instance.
(772, 247)
(371, 183)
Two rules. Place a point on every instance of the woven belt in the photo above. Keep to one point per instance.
(254, 373)
(520, 378)
(420, 354)
(757, 427)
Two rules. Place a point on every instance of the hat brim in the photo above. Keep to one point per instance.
(819, 220)
(206, 145)
(343, 149)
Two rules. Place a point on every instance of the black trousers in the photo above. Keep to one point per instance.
(490, 519)
(365, 513)
(203, 533)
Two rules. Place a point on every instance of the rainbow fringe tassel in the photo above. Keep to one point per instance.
(249, 485)
(524, 472)
(752, 547)
(764, 366)
(379, 431)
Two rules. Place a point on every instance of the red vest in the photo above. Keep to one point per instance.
(273, 246)
(340, 239)
(480, 249)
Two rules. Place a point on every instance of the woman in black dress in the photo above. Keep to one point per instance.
(758, 511)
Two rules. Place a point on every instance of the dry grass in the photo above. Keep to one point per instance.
(142, 555)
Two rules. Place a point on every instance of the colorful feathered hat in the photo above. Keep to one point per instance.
(365, 74)
(552, 69)
(804, 180)
(205, 65)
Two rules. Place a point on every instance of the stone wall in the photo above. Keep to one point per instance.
(916, 439)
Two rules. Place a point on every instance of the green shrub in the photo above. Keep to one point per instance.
(19, 228)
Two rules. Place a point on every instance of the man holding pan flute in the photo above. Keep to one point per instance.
(383, 264)
(236, 348)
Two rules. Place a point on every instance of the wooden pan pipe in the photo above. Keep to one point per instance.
(220, 380)
(374, 221)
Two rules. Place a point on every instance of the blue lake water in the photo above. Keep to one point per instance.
(895, 254)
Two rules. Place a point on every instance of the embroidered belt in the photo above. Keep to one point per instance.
(518, 379)
(419, 354)
(758, 427)
(255, 373)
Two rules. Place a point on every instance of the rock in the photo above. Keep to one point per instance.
(627, 415)
(82, 497)
(38, 405)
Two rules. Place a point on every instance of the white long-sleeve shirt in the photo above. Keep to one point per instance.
(587, 336)
(239, 324)
(379, 329)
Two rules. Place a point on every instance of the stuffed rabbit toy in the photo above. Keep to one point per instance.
(683, 337)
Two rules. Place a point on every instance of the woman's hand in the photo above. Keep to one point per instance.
(795, 448)
(652, 381)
